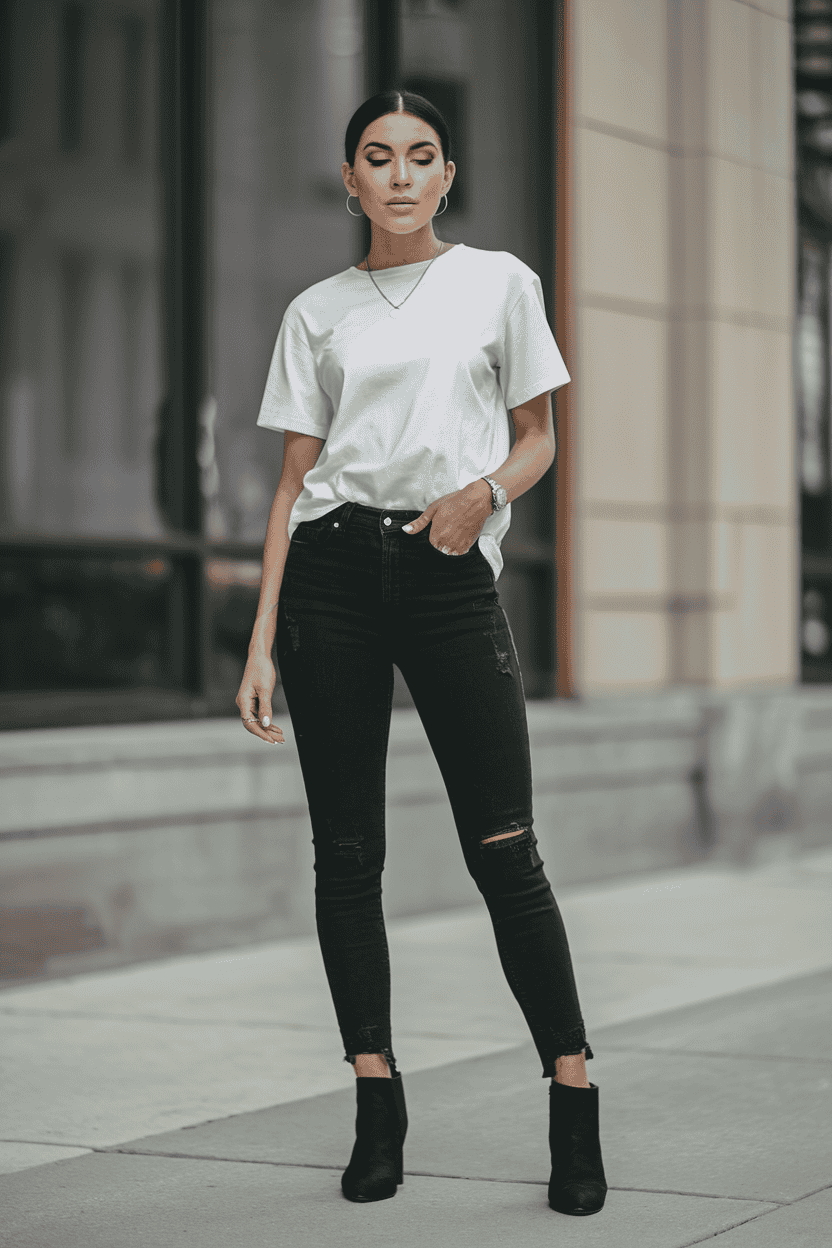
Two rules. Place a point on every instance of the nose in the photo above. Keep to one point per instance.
(400, 175)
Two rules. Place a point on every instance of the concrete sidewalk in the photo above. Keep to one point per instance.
(706, 995)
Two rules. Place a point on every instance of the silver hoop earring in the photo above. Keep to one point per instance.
(445, 209)
(349, 210)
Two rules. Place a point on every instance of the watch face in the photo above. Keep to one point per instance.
(499, 498)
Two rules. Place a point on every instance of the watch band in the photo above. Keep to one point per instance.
(499, 497)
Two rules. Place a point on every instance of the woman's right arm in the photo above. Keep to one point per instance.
(300, 453)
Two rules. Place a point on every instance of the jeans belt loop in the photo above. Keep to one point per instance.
(346, 513)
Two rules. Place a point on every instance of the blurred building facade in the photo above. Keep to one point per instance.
(169, 180)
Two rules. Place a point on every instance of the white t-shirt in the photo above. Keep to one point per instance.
(412, 404)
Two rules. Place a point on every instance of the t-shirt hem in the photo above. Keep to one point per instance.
(490, 549)
(544, 386)
(291, 426)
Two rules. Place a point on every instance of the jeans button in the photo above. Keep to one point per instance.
(387, 520)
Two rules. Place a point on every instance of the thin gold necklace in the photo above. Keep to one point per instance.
(410, 292)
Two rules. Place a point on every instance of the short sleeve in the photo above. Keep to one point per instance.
(294, 398)
(531, 363)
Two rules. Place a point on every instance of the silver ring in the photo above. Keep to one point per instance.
(249, 719)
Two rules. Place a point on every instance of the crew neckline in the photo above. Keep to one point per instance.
(399, 268)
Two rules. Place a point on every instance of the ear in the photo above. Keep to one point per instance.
(349, 178)
(450, 172)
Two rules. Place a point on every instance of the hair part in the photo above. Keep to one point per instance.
(395, 100)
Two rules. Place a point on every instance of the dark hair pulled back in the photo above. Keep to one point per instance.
(395, 101)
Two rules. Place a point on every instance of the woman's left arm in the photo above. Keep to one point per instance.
(533, 451)
(456, 519)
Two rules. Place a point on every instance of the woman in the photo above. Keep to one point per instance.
(392, 382)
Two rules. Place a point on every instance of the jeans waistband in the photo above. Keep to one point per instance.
(360, 515)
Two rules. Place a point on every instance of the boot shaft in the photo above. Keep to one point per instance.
(380, 1107)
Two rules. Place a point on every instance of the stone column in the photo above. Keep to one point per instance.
(687, 520)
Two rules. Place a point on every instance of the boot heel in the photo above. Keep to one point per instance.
(578, 1185)
(401, 1118)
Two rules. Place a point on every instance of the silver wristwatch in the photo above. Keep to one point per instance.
(499, 498)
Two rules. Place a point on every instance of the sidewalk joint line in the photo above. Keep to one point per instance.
(784, 1204)
(764, 1213)
(691, 1243)
(672, 1191)
(238, 1161)
(422, 1174)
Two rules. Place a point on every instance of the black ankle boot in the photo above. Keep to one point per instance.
(375, 1167)
(578, 1184)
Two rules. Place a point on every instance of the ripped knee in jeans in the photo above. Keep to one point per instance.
(514, 837)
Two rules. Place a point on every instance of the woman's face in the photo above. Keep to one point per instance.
(399, 157)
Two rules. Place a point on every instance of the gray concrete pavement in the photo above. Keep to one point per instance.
(709, 1129)
(138, 1202)
(715, 1111)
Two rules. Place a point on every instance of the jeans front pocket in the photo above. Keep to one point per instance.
(315, 532)
(304, 534)
(473, 549)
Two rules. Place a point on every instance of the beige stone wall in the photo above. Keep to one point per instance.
(686, 529)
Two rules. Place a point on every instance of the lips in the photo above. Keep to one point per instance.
(400, 203)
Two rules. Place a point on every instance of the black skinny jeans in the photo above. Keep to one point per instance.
(357, 596)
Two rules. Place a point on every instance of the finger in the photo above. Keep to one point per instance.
(451, 546)
(273, 735)
(270, 731)
(269, 735)
(264, 703)
(414, 526)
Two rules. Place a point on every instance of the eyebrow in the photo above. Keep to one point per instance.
(388, 148)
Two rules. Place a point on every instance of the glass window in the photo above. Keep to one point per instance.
(468, 58)
(80, 377)
(285, 79)
(813, 330)
(70, 622)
